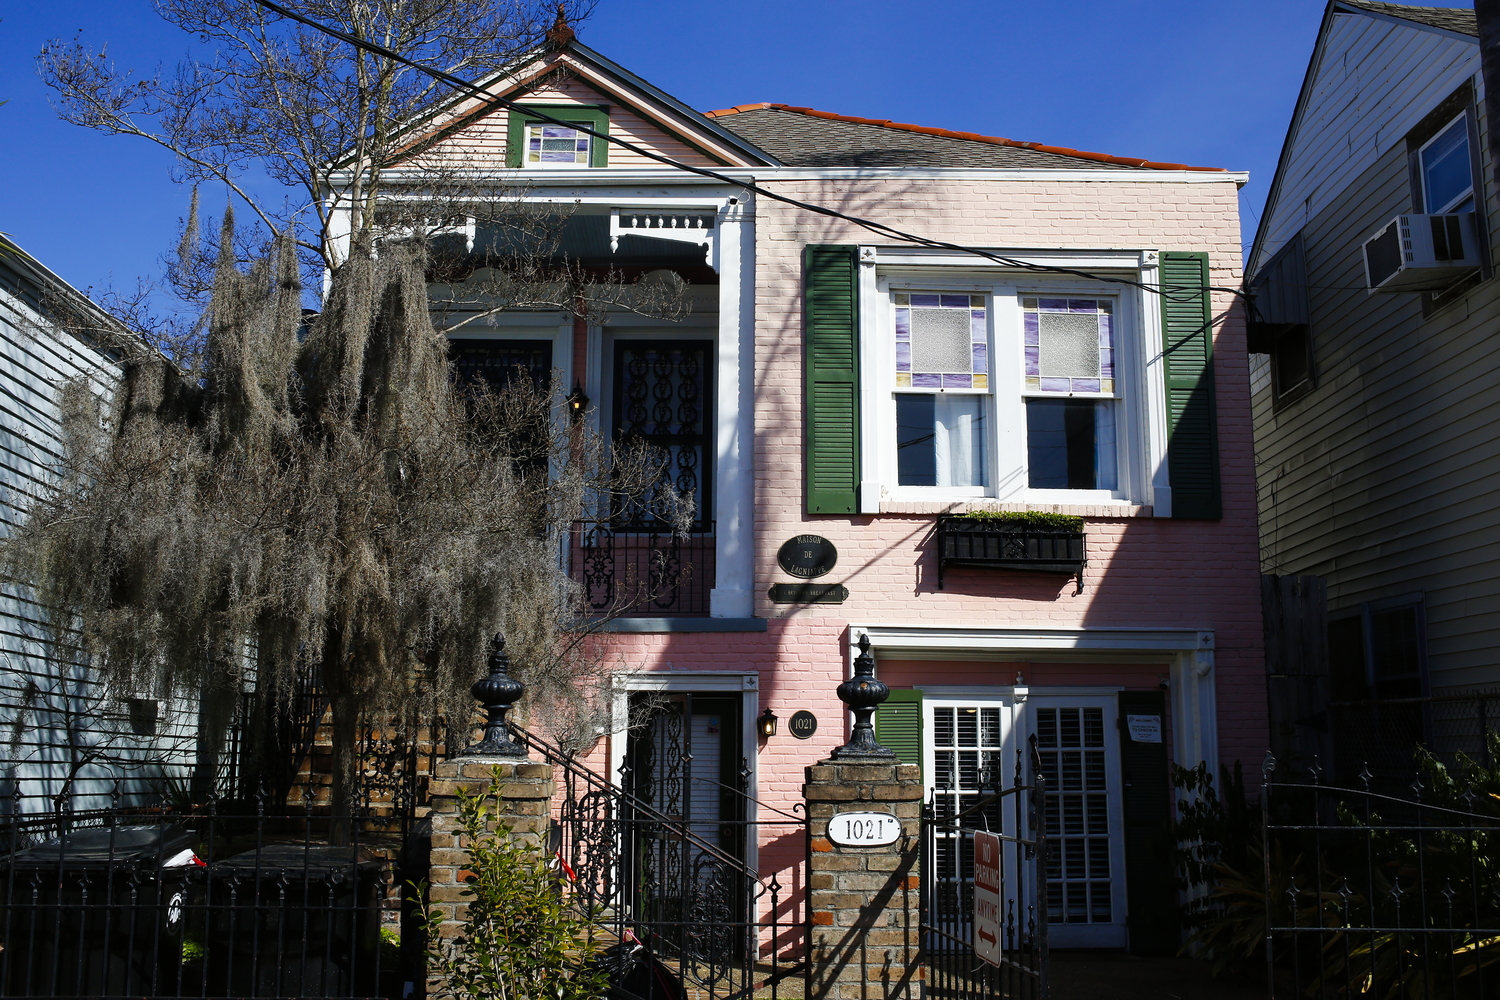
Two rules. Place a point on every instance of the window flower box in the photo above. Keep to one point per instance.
(1031, 543)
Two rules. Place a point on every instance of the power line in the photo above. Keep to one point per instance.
(878, 228)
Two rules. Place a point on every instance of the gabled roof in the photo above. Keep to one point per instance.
(1455, 22)
(1458, 19)
(805, 137)
(515, 80)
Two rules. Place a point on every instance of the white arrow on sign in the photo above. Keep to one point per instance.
(987, 897)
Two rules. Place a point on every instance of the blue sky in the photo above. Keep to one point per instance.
(1205, 82)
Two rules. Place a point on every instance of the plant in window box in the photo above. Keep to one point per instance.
(1029, 540)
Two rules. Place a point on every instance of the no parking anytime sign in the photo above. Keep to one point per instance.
(987, 896)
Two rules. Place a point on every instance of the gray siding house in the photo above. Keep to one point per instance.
(1377, 412)
(64, 741)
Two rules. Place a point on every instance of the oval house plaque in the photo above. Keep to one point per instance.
(864, 829)
(807, 556)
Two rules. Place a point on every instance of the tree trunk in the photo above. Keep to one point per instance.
(344, 708)
(216, 703)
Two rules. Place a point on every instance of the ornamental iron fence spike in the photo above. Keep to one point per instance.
(497, 693)
(1267, 767)
(863, 693)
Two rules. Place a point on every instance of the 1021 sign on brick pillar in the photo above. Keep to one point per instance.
(987, 896)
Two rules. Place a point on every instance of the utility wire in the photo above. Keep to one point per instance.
(878, 228)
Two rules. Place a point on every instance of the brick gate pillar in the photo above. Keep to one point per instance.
(864, 901)
(524, 808)
(525, 796)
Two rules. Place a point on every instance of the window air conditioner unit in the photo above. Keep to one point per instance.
(1421, 253)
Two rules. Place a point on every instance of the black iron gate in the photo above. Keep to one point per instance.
(1369, 894)
(1012, 813)
(679, 860)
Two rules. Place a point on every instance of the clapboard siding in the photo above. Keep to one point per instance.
(1374, 80)
(483, 142)
(50, 708)
(1383, 479)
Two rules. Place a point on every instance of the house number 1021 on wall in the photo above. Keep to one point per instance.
(864, 829)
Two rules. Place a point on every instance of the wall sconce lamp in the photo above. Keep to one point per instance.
(577, 402)
(767, 723)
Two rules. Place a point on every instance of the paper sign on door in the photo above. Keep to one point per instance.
(987, 897)
(1144, 728)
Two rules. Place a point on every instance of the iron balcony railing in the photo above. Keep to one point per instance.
(643, 568)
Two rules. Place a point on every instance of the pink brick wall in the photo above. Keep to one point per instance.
(1143, 572)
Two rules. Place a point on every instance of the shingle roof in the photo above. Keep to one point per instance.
(804, 137)
(1459, 19)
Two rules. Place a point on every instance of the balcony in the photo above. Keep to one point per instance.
(643, 570)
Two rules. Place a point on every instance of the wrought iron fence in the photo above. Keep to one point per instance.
(672, 884)
(1383, 736)
(954, 969)
(1372, 894)
(204, 903)
(643, 567)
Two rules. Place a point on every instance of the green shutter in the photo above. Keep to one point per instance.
(831, 377)
(1150, 889)
(898, 725)
(595, 119)
(1192, 418)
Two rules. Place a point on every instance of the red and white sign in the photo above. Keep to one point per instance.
(987, 897)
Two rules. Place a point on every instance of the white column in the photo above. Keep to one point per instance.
(734, 495)
(1195, 715)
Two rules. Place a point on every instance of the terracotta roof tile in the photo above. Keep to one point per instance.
(775, 128)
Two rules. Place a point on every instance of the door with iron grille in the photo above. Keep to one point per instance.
(663, 397)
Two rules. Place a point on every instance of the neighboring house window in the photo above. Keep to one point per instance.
(1280, 321)
(1444, 166)
(1379, 653)
(1443, 162)
(534, 144)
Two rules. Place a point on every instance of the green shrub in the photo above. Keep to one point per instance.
(1028, 520)
(523, 938)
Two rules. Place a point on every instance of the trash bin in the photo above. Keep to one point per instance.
(98, 912)
(292, 920)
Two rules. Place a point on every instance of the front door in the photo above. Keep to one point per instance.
(973, 744)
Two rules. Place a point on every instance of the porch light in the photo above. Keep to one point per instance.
(577, 402)
(767, 723)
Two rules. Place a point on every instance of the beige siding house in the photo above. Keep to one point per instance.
(1376, 411)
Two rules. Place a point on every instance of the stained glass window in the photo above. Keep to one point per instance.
(942, 341)
(1069, 345)
(555, 146)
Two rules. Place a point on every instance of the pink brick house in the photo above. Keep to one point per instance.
(841, 391)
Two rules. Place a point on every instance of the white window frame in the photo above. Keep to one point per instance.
(1140, 413)
(1462, 118)
(526, 162)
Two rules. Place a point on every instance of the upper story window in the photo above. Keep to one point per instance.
(1446, 170)
(1070, 384)
(942, 388)
(1003, 392)
(537, 144)
(553, 146)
